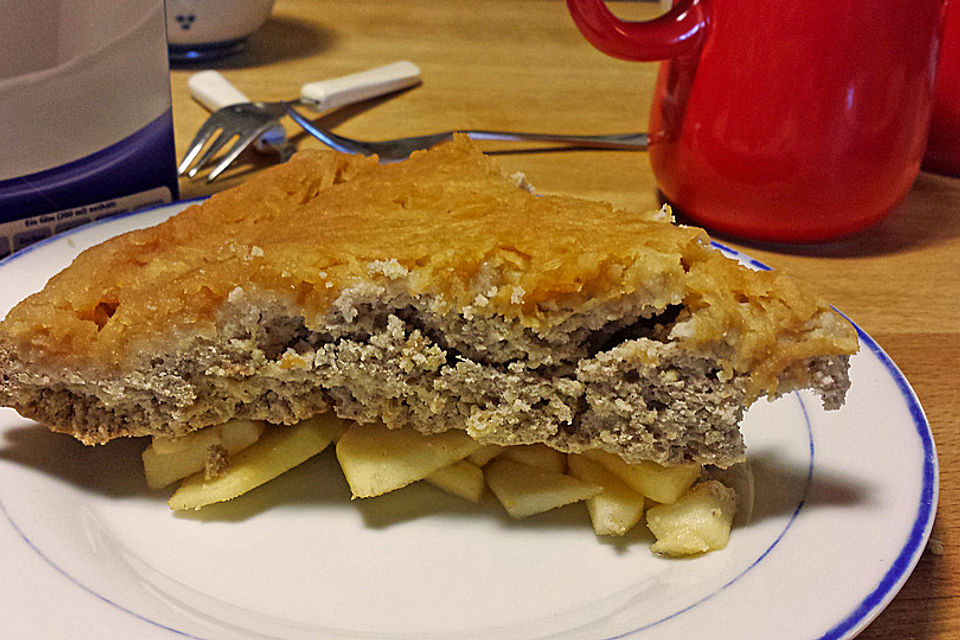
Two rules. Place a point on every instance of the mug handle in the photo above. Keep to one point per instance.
(678, 33)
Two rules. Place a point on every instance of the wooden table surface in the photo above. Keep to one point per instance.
(521, 64)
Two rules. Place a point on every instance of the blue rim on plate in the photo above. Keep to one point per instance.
(909, 555)
(868, 608)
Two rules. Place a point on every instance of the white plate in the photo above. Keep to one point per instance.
(844, 504)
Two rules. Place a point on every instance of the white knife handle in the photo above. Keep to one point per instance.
(214, 92)
(337, 92)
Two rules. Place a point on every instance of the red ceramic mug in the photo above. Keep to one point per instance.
(943, 146)
(783, 120)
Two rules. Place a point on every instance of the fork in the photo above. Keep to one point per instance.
(248, 122)
(400, 148)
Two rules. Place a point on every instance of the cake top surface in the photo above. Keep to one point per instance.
(446, 223)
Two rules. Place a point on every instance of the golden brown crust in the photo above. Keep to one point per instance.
(324, 222)
(315, 225)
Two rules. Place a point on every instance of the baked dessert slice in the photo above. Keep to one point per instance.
(432, 294)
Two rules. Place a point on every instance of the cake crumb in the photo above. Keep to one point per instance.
(390, 268)
(217, 462)
(520, 179)
(664, 214)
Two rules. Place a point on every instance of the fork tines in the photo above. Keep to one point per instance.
(243, 123)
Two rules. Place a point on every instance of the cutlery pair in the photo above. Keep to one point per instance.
(257, 123)
(236, 118)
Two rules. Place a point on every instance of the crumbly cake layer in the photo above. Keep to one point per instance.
(433, 293)
(625, 388)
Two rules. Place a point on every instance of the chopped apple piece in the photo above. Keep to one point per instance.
(167, 460)
(276, 452)
(537, 455)
(615, 511)
(186, 444)
(485, 454)
(661, 484)
(376, 460)
(698, 522)
(739, 477)
(240, 434)
(462, 479)
(524, 490)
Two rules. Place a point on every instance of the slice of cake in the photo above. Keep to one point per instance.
(432, 294)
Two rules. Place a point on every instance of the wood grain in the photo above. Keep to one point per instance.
(520, 64)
